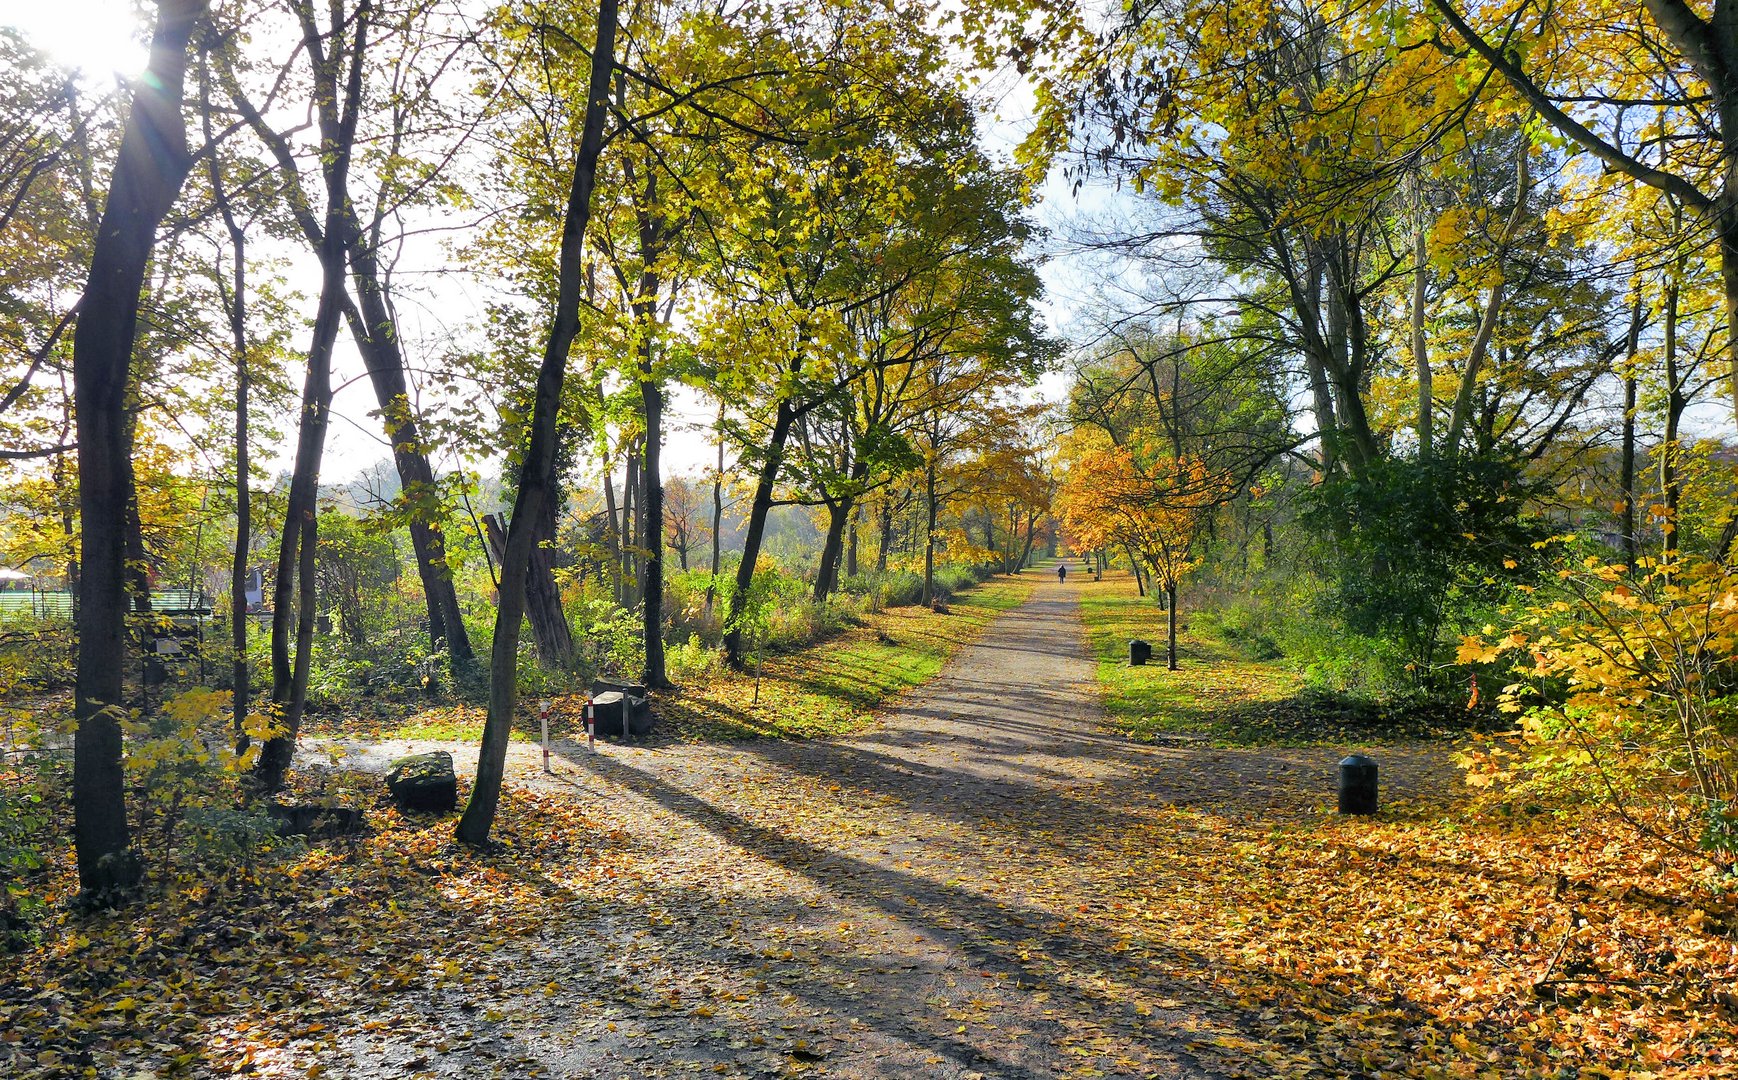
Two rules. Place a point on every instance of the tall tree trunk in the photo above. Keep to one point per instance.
(755, 532)
(1309, 304)
(1671, 484)
(378, 340)
(236, 307)
(652, 499)
(851, 539)
(537, 478)
(1463, 398)
(296, 549)
(1728, 226)
(717, 516)
(631, 530)
(1626, 479)
(1171, 624)
(1135, 565)
(339, 70)
(885, 540)
(1420, 343)
(150, 166)
(931, 510)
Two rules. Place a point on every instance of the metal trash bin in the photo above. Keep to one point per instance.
(1357, 785)
(1139, 652)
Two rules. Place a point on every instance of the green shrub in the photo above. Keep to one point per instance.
(24, 830)
(692, 660)
(951, 579)
(606, 635)
(886, 589)
(37, 652)
(1244, 627)
(1421, 551)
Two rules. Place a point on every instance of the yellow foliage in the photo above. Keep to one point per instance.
(1626, 693)
(1110, 500)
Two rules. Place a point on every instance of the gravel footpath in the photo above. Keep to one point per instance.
(927, 899)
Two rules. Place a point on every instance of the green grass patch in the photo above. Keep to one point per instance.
(836, 686)
(387, 720)
(1220, 693)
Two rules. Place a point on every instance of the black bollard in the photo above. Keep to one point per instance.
(1357, 785)
(1139, 652)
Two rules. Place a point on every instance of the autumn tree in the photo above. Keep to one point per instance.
(537, 468)
(152, 162)
(394, 106)
(1612, 79)
(876, 184)
(687, 505)
(1156, 509)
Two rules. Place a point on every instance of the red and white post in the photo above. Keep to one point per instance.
(543, 719)
(590, 727)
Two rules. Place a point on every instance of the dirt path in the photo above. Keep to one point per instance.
(949, 895)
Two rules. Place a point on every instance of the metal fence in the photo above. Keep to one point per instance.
(58, 604)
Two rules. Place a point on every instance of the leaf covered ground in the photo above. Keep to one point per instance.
(988, 883)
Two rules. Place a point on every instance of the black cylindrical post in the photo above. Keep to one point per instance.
(1357, 785)
(1139, 652)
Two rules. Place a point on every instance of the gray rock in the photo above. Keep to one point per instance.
(424, 782)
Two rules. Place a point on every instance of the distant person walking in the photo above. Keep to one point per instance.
(1062, 573)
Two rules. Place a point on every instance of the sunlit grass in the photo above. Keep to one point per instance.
(1217, 693)
(837, 686)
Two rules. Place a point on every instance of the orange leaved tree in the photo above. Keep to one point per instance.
(1155, 511)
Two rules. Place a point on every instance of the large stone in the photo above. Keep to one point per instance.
(424, 782)
(619, 712)
(319, 822)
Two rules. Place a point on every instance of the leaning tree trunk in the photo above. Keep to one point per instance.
(236, 307)
(1135, 565)
(149, 169)
(377, 339)
(755, 531)
(839, 517)
(1031, 535)
(537, 478)
(296, 548)
(612, 534)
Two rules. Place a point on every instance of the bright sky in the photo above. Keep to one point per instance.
(100, 37)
